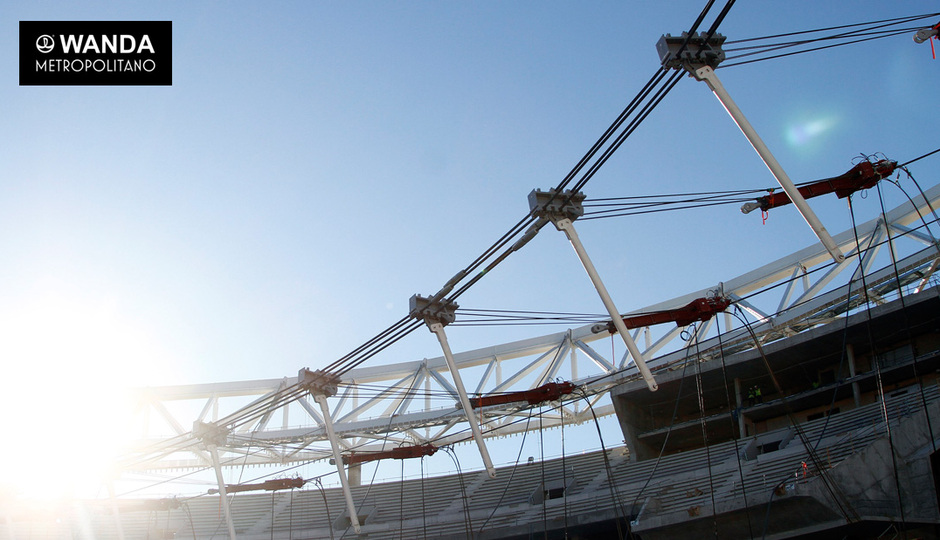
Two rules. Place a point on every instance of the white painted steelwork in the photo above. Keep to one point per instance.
(811, 291)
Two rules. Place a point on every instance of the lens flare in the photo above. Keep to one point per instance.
(803, 133)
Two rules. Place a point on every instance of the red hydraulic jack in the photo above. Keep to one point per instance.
(700, 309)
(862, 176)
(402, 452)
(268, 485)
(547, 392)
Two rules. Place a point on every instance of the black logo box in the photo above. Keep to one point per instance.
(119, 61)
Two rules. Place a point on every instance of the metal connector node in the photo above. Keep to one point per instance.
(696, 53)
(600, 327)
(747, 208)
(924, 34)
(209, 433)
(318, 382)
(555, 206)
(432, 311)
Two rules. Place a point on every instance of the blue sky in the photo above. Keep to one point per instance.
(315, 164)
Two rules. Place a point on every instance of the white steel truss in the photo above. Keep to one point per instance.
(407, 403)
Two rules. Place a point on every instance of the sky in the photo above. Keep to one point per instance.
(315, 164)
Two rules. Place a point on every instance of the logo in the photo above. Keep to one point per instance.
(96, 53)
(45, 43)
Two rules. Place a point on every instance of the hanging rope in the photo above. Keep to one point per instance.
(842, 358)
(611, 481)
(920, 214)
(424, 511)
(468, 525)
(511, 475)
(326, 504)
(879, 381)
(838, 498)
(401, 502)
(734, 426)
(564, 468)
(700, 398)
(675, 414)
(907, 325)
(189, 515)
(542, 473)
(845, 331)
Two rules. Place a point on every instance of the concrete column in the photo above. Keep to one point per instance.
(850, 355)
(355, 475)
(739, 403)
(633, 421)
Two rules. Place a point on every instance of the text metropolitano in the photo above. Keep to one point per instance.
(115, 65)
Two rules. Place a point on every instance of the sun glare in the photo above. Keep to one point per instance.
(68, 361)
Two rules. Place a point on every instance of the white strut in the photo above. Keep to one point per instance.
(567, 226)
(707, 74)
(338, 459)
(438, 329)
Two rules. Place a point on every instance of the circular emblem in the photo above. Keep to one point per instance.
(44, 43)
